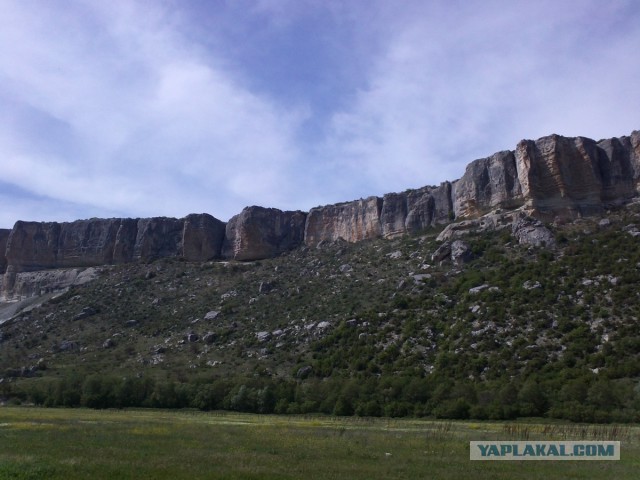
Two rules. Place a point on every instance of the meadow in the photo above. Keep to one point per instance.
(67, 444)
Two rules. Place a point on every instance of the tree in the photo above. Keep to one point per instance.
(532, 400)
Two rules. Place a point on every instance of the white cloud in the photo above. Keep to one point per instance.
(160, 126)
(464, 81)
(126, 108)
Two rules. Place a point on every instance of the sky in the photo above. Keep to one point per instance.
(141, 108)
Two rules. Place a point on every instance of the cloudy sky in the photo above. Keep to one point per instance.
(133, 108)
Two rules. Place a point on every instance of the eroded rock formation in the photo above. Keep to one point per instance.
(259, 232)
(547, 178)
(487, 183)
(4, 237)
(32, 246)
(415, 210)
(35, 246)
(28, 284)
(350, 221)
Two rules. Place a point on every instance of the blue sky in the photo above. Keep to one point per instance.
(168, 107)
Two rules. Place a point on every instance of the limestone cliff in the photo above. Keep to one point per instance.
(552, 176)
(560, 175)
(393, 214)
(572, 177)
(34, 246)
(350, 221)
(259, 232)
(4, 237)
(415, 210)
(202, 237)
(487, 183)
(548, 178)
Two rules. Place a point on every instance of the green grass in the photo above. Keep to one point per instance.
(68, 444)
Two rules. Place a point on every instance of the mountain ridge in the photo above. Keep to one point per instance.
(552, 178)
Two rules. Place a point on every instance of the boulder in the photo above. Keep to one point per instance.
(460, 252)
(85, 313)
(304, 372)
(192, 337)
(263, 336)
(67, 346)
(442, 253)
(210, 337)
(532, 232)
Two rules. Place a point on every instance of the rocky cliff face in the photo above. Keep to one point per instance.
(488, 183)
(350, 221)
(573, 177)
(30, 284)
(394, 214)
(202, 237)
(547, 178)
(4, 237)
(34, 246)
(415, 210)
(259, 232)
(552, 176)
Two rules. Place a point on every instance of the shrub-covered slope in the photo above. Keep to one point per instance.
(373, 328)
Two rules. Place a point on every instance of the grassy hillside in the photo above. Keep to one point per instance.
(374, 328)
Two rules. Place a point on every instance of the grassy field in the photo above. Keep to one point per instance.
(143, 444)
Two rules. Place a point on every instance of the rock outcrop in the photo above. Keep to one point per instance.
(202, 237)
(490, 222)
(32, 246)
(35, 246)
(259, 232)
(394, 214)
(29, 284)
(4, 237)
(415, 210)
(572, 177)
(458, 251)
(350, 221)
(487, 183)
(529, 231)
(552, 177)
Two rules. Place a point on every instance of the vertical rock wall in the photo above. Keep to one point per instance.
(572, 177)
(259, 232)
(415, 210)
(4, 237)
(487, 184)
(552, 176)
(350, 221)
(202, 237)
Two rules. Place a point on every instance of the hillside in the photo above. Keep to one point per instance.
(485, 327)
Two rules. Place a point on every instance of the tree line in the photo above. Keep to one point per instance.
(584, 398)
